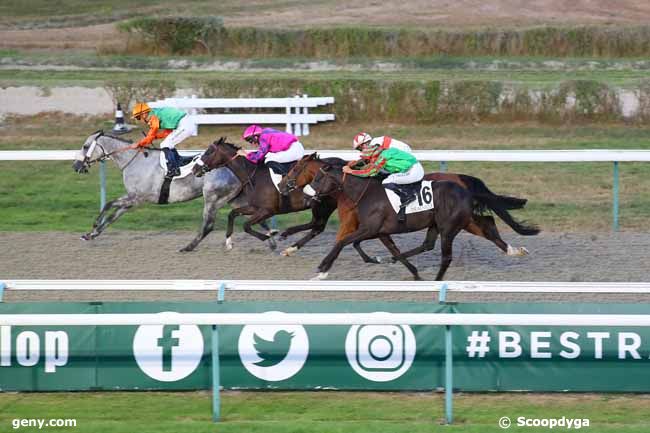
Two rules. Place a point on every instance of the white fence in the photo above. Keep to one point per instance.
(296, 117)
(442, 156)
(331, 286)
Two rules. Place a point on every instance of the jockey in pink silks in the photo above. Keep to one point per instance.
(273, 146)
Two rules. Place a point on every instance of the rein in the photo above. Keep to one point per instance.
(107, 155)
(342, 182)
(229, 162)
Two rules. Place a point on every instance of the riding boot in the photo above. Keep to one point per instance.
(173, 168)
(277, 168)
(405, 196)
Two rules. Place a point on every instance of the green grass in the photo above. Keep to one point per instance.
(83, 59)
(43, 196)
(94, 78)
(326, 412)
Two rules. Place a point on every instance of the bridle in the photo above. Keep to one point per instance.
(87, 162)
(215, 146)
(205, 168)
(339, 183)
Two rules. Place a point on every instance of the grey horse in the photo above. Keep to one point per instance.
(143, 177)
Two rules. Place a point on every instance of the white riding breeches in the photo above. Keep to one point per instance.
(414, 174)
(186, 128)
(293, 153)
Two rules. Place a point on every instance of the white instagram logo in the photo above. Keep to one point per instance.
(380, 353)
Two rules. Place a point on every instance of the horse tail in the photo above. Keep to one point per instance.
(477, 186)
(500, 206)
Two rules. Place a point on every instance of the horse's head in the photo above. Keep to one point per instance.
(327, 181)
(89, 153)
(216, 155)
(300, 174)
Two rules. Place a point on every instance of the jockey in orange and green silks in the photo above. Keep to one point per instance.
(168, 123)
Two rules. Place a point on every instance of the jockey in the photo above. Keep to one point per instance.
(363, 139)
(172, 125)
(403, 167)
(274, 147)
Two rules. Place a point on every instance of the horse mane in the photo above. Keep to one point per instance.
(336, 162)
(123, 140)
(222, 140)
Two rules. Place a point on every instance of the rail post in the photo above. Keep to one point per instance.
(449, 376)
(449, 359)
(221, 293)
(216, 382)
(102, 185)
(615, 198)
(3, 286)
(443, 166)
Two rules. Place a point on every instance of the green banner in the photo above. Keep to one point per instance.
(389, 357)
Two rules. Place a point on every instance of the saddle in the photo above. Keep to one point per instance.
(406, 192)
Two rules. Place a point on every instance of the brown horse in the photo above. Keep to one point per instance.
(454, 208)
(263, 199)
(484, 226)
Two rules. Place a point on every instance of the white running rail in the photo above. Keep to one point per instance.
(171, 318)
(333, 286)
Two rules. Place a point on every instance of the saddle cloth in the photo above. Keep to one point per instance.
(277, 178)
(423, 201)
(186, 167)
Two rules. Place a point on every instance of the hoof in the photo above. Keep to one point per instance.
(517, 252)
(86, 237)
(289, 251)
(378, 260)
(229, 244)
(272, 233)
(186, 249)
(417, 278)
(320, 276)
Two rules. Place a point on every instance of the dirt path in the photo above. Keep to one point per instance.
(147, 255)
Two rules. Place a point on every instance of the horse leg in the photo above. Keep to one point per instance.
(364, 256)
(446, 241)
(328, 261)
(320, 214)
(259, 215)
(488, 230)
(109, 220)
(231, 226)
(122, 205)
(98, 221)
(349, 223)
(390, 244)
(269, 231)
(428, 244)
(210, 208)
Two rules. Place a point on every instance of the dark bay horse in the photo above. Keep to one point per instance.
(263, 200)
(481, 225)
(453, 212)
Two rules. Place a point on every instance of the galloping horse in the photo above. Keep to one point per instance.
(483, 226)
(453, 212)
(143, 177)
(261, 199)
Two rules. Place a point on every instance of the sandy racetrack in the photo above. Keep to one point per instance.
(150, 255)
